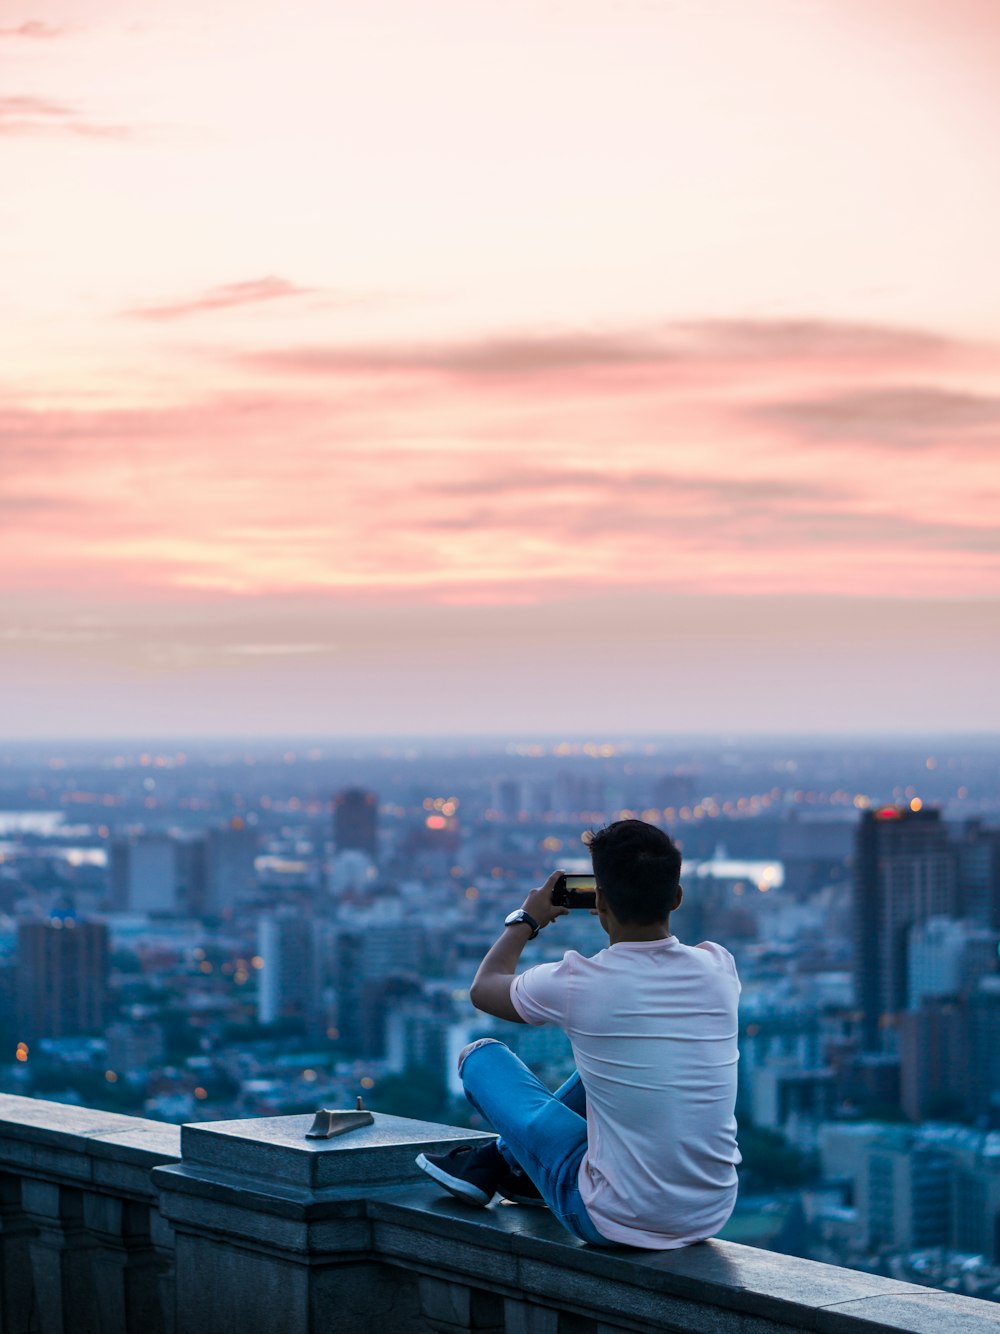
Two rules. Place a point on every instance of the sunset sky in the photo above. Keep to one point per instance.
(513, 366)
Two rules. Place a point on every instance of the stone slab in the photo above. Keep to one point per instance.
(920, 1311)
(275, 1148)
(720, 1280)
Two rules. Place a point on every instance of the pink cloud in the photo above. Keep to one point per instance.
(475, 479)
(40, 115)
(31, 29)
(224, 297)
(899, 417)
(673, 347)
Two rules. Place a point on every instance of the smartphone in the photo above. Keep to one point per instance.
(575, 891)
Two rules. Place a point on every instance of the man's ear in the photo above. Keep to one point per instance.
(680, 895)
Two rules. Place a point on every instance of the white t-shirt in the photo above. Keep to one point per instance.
(653, 1027)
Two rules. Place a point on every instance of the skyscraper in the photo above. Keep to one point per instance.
(220, 868)
(145, 873)
(288, 987)
(62, 978)
(355, 821)
(904, 873)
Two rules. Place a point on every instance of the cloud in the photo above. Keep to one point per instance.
(40, 115)
(500, 357)
(621, 487)
(32, 29)
(678, 347)
(246, 293)
(900, 417)
(810, 340)
(33, 504)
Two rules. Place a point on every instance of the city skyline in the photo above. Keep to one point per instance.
(500, 369)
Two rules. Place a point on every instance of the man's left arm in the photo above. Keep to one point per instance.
(490, 991)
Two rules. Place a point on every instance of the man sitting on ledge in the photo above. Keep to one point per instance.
(638, 1147)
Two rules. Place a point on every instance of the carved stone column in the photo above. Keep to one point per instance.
(61, 1259)
(18, 1313)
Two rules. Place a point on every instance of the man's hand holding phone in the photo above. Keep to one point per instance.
(539, 904)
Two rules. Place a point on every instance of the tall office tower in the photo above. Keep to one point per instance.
(145, 874)
(62, 978)
(375, 964)
(983, 1005)
(934, 1060)
(288, 983)
(222, 868)
(979, 874)
(355, 821)
(904, 873)
(507, 798)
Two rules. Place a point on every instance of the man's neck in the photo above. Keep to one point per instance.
(621, 935)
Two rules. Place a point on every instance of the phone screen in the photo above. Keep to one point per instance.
(576, 891)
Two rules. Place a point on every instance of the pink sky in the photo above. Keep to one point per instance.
(499, 366)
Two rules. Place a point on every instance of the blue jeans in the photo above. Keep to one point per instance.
(542, 1133)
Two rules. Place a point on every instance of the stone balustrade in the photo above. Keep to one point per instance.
(115, 1225)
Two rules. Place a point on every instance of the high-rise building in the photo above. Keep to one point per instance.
(355, 821)
(288, 983)
(946, 957)
(904, 874)
(984, 1049)
(145, 874)
(376, 965)
(221, 868)
(979, 874)
(62, 978)
(933, 1059)
(904, 1193)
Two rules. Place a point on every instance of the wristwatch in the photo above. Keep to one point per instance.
(519, 915)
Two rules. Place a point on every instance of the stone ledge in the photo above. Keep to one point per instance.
(256, 1197)
(526, 1250)
(58, 1142)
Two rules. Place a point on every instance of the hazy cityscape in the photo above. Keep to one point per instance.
(227, 930)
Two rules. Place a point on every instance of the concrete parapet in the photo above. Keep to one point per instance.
(123, 1226)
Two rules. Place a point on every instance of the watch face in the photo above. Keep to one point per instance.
(519, 915)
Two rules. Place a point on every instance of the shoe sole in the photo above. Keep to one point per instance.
(462, 1190)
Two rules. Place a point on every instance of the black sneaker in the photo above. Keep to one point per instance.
(470, 1172)
(518, 1188)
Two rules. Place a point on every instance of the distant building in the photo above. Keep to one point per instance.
(904, 873)
(979, 874)
(507, 799)
(781, 1093)
(145, 874)
(135, 1045)
(222, 869)
(947, 956)
(62, 978)
(375, 966)
(904, 1194)
(288, 982)
(814, 851)
(984, 1049)
(355, 822)
(933, 1059)
(673, 791)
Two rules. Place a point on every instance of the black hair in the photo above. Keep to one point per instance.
(638, 871)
